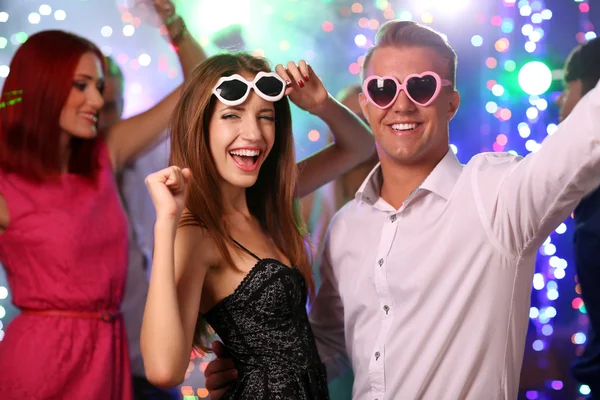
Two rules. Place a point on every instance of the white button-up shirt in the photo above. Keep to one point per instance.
(431, 301)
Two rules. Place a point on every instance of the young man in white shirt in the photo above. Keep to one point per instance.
(426, 274)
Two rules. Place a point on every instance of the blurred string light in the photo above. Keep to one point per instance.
(535, 79)
(34, 18)
(45, 9)
(106, 31)
(508, 80)
(60, 15)
(587, 31)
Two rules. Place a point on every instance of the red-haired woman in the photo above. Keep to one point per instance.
(63, 232)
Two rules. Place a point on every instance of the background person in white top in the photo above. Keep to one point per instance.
(426, 275)
(135, 197)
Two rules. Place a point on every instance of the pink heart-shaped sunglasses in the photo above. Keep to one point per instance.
(421, 89)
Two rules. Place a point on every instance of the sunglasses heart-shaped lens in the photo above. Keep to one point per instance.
(421, 89)
(232, 90)
(270, 86)
(382, 93)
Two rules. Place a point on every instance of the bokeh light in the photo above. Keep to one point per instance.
(535, 78)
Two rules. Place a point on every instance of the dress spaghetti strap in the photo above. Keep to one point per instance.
(245, 249)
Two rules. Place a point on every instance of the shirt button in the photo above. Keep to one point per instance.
(377, 354)
(380, 262)
(386, 309)
(393, 218)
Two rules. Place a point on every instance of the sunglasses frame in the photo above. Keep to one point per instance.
(401, 86)
(249, 85)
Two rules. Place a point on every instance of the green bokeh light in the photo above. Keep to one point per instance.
(584, 390)
(22, 37)
(382, 4)
(510, 66)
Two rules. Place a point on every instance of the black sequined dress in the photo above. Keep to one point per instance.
(265, 328)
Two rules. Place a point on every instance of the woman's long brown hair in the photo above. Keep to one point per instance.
(271, 199)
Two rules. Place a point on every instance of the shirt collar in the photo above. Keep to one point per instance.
(440, 181)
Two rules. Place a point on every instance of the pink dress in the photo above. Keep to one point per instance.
(65, 255)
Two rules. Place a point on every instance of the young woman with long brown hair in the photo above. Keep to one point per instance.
(229, 245)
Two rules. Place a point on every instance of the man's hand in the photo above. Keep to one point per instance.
(220, 372)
